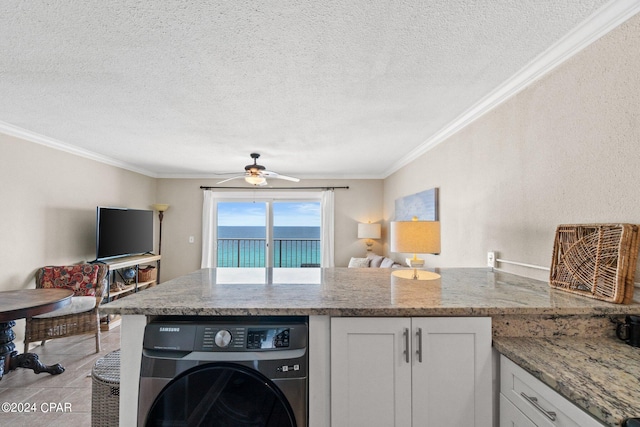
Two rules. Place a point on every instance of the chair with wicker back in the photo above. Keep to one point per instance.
(87, 281)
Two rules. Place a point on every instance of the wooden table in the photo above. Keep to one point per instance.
(26, 303)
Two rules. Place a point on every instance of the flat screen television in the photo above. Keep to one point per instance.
(121, 232)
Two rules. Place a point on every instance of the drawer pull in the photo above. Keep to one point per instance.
(534, 401)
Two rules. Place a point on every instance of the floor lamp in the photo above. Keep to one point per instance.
(160, 207)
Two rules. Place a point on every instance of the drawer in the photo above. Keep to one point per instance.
(537, 401)
(510, 416)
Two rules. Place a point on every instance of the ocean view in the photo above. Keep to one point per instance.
(243, 232)
(245, 246)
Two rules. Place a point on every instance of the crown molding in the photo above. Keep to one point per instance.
(37, 138)
(301, 176)
(594, 27)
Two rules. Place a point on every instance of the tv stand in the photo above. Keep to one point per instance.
(115, 267)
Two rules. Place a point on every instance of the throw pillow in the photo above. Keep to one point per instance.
(387, 263)
(80, 278)
(375, 260)
(359, 262)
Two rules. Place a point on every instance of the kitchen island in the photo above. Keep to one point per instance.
(517, 306)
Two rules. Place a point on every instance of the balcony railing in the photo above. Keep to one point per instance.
(251, 252)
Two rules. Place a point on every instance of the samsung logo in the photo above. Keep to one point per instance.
(166, 329)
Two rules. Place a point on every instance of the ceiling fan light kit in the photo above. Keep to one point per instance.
(256, 174)
(255, 180)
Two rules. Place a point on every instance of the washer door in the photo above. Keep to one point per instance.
(221, 395)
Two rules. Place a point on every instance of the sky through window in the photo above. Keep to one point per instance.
(252, 214)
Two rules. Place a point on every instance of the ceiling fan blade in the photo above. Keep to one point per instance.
(229, 179)
(271, 174)
(288, 178)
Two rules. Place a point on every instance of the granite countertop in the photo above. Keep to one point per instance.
(600, 375)
(356, 292)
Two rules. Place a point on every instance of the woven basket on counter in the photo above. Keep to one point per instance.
(147, 274)
(596, 260)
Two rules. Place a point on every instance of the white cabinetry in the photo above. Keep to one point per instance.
(421, 371)
(527, 401)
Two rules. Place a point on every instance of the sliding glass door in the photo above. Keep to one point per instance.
(296, 234)
(268, 233)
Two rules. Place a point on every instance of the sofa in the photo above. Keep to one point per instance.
(373, 261)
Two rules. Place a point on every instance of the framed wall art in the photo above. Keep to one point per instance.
(424, 205)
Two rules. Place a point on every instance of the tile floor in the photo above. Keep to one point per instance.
(71, 388)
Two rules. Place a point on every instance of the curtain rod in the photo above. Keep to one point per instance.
(276, 188)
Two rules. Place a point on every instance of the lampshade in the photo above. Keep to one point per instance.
(368, 231)
(255, 179)
(160, 207)
(419, 237)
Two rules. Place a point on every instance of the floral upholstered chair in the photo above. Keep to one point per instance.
(87, 281)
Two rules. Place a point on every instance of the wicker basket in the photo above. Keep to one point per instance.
(105, 396)
(596, 260)
(147, 274)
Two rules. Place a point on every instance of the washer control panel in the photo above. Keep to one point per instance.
(212, 338)
(216, 337)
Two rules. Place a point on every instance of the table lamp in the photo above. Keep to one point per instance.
(369, 231)
(417, 237)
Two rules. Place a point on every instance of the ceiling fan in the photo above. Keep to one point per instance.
(256, 174)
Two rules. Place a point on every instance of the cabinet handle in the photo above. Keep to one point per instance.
(534, 401)
(406, 344)
(419, 350)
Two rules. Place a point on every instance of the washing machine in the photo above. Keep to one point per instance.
(225, 372)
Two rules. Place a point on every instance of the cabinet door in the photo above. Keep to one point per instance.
(452, 385)
(370, 376)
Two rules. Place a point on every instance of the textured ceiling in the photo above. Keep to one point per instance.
(319, 88)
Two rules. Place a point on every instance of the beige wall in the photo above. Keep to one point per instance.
(565, 150)
(361, 202)
(49, 207)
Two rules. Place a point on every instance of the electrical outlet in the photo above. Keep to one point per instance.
(491, 259)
